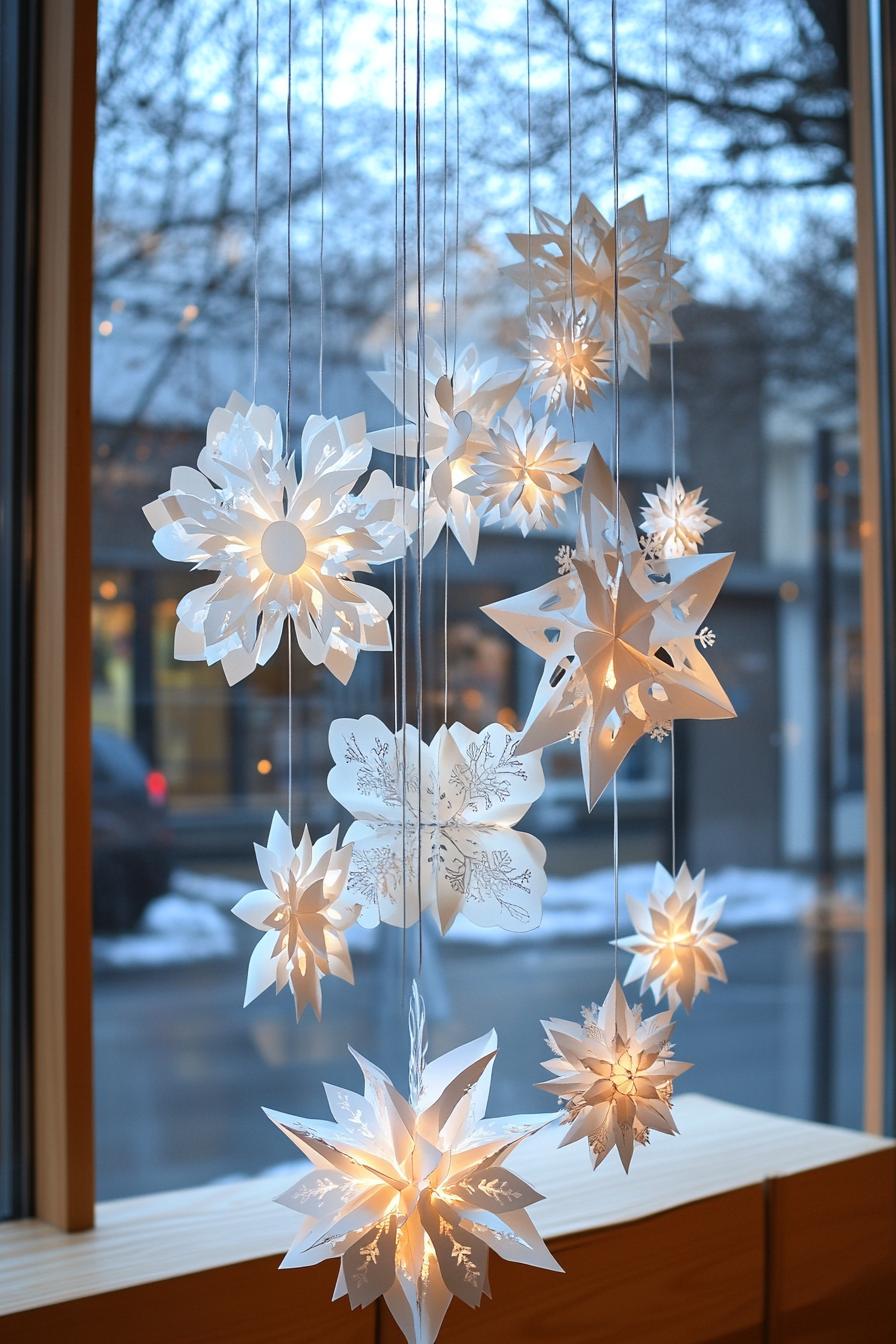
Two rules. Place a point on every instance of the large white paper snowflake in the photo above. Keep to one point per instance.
(675, 520)
(614, 1074)
(675, 944)
(410, 1196)
(458, 411)
(284, 546)
(619, 633)
(648, 291)
(521, 479)
(459, 811)
(568, 362)
(300, 914)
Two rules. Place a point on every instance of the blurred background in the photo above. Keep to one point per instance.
(188, 771)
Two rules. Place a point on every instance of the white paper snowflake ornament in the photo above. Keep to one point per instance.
(521, 480)
(410, 1196)
(675, 520)
(285, 547)
(457, 413)
(568, 362)
(301, 915)
(676, 945)
(459, 811)
(648, 290)
(614, 1075)
(619, 634)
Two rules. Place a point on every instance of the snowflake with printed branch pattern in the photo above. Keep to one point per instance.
(459, 809)
(410, 1196)
(675, 520)
(301, 916)
(675, 944)
(286, 547)
(614, 1075)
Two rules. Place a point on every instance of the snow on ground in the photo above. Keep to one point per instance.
(193, 922)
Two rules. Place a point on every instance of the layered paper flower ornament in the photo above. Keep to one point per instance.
(522, 478)
(300, 915)
(457, 414)
(458, 811)
(675, 944)
(568, 361)
(619, 632)
(614, 1074)
(648, 291)
(410, 1196)
(284, 546)
(675, 520)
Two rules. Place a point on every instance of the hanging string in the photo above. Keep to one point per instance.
(614, 66)
(395, 403)
(572, 289)
(445, 334)
(289, 633)
(320, 358)
(456, 177)
(420, 184)
(671, 374)
(531, 381)
(404, 559)
(256, 300)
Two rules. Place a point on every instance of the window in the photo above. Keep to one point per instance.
(187, 771)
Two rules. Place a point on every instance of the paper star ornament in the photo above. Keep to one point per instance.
(410, 1196)
(675, 944)
(675, 520)
(457, 413)
(522, 478)
(300, 915)
(619, 633)
(614, 1075)
(648, 291)
(284, 546)
(568, 361)
(459, 810)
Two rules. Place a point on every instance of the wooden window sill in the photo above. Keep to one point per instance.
(742, 1216)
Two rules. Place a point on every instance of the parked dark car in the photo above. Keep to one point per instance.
(131, 834)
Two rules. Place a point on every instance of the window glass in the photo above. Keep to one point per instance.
(187, 771)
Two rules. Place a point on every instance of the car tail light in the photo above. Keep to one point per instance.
(156, 788)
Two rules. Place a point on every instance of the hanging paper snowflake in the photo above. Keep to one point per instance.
(410, 1196)
(619, 635)
(458, 411)
(458, 810)
(675, 520)
(284, 547)
(614, 1075)
(676, 947)
(648, 292)
(301, 916)
(568, 361)
(521, 479)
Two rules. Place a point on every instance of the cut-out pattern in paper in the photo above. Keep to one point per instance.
(675, 944)
(522, 478)
(614, 1075)
(458, 411)
(460, 809)
(648, 291)
(619, 632)
(284, 547)
(675, 520)
(410, 1196)
(300, 915)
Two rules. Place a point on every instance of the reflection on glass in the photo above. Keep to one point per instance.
(188, 771)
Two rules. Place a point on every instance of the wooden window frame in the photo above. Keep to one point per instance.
(62, 984)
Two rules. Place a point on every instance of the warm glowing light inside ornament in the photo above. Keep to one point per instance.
(283, 547)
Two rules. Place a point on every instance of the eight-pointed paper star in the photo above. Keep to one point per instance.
(648, 292)
(618, 634)
(676, 947)
(301, 915)
(614, 1074)
(410, 1196)
(521, 479)
(469, 793)
(284, 547)
(458, 411)
(675, 520)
